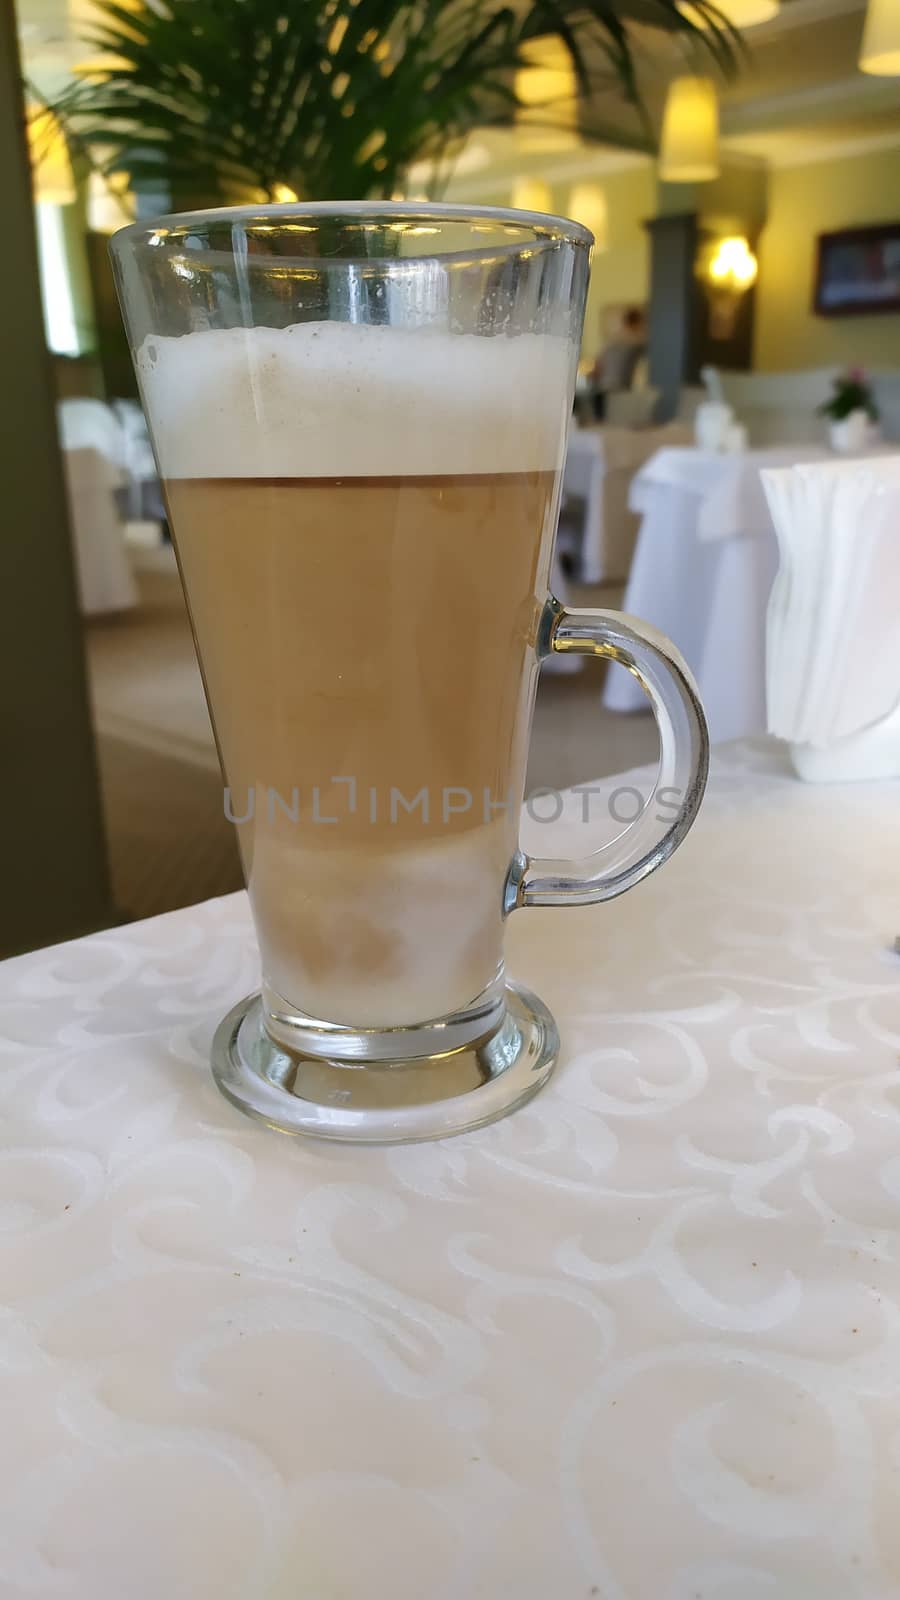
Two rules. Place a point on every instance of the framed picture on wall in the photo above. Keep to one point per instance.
(858, 271)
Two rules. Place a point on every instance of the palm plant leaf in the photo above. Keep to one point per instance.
(335, 99)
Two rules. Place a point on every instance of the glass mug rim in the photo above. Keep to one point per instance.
(539, 230)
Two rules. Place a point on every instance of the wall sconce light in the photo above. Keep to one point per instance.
(732, 269)
(532, 194)
(689, 148)
(734, 266)
(880, 49)
(587, 205)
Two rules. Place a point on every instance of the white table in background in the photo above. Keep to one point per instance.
(102, 565)
(600, 465)
(702, 571)
(639, 1341)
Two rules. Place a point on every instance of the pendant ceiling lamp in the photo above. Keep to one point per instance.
(689, 148)
(546, 85)
(880, 49)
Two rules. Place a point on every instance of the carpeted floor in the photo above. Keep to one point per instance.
(169, 842)
(145, 682)
(168, 839)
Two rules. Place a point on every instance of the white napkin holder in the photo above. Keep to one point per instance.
(735, 442)
(872, 753)
(833, 625)
(712, 421)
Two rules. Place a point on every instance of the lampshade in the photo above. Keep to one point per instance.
(547, 72)
(546, 85)
(50, 164)
(880, 49)
(532, 194)
(740, 13)
(689, 148)
(587, 205)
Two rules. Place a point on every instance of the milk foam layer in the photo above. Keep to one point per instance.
(328, 399)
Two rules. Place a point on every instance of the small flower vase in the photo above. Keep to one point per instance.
(850, 435)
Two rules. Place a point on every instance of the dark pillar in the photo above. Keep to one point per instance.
(687, 330)
(53, 872)
(675, 321)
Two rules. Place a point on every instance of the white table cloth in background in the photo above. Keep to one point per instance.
(144, 499)
(600, 465)
(640, 1341)
(704, 566)
(102, 566)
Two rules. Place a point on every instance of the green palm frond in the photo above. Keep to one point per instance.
(219, 98)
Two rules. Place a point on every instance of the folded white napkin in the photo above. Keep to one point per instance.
(833, 631)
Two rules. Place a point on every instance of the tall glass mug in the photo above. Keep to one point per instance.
(359, 413)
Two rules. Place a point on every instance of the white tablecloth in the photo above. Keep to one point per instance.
(702, 572)
(600, 465)
(102, 567)
(640, 1341)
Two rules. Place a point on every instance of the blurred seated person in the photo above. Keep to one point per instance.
(617, 364)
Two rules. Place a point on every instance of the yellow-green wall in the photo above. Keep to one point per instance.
(803, 202)
(620, 273)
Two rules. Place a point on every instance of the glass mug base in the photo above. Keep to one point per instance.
(393, 1098)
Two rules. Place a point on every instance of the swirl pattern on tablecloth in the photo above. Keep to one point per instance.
(640, 1341)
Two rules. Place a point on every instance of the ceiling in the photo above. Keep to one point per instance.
(799, 93)
(803, 96)
(800, 96)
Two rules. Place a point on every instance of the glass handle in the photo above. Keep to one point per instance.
(683, 761)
